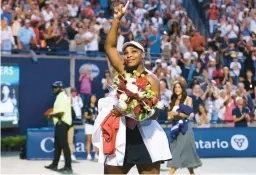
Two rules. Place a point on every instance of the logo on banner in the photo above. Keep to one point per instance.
(43, 144)
(93, 70)
(47, 145)
(239, 142)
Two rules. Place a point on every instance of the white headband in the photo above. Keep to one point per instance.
(133, 43)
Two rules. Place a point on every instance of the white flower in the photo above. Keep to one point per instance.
(160, 105)
(130, 80)
(123, 97)
(132, 87)
(141, 94)
(122, 105)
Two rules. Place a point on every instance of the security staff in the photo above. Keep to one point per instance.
(62, 119)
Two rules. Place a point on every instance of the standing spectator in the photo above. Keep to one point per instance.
(250, 84)
(232, 31)
(198, 43)
(7, 40)
(235, 68)
(213, 17)
(240, 113)
(197, 98)
(93, 41)
(47, 15)
(25, 35)
(154, 43)
(217, 75)
(106, 81)
(140, 12)
(7, 14)
(16, 25)
(85, 84)
(72, 8)
(80, 40)
(77, 104)
(90, 113)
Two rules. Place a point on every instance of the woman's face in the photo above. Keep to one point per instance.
(93, 99)
(177, 89)
(5, 91)
(226, 71)
(201, 108)
(133, 56)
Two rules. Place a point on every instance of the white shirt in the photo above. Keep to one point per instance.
(7, 107)
(7, 35)
(232, 34)
(94, 44)
(203, 125)
(47, 16)
(152, 134)
(77, 105)
(253, 25)
(223, 29)
(175, 71)
(235, 68)
(139, 14)
(72, 10)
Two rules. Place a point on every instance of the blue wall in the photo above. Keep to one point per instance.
(35, 89)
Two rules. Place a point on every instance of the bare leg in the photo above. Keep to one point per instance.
(70, 140)
(191, 171)
(96, 151)
(108, 169)
(172, 170)
(153, 168)
(88, 143)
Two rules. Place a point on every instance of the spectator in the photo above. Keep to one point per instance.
(213, 16)
(203, 117)
(77, 104)
(25, 34)
(7, 14)
(85, 83)
(7, 40)
(90, 114)
(106, 82)
(154, 42)
(232, 31)
(240, 113)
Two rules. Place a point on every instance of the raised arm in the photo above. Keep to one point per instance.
(111, 42)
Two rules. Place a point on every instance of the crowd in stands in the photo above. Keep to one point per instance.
(219, 69)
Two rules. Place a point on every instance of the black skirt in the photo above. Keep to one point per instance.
(136, 151)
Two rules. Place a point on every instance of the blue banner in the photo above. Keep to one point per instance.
(224, 142)
(210, 142)
(40, 143)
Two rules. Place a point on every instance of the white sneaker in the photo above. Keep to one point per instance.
(96, 157)
(62, 158)
(89, 157)
(73, 157)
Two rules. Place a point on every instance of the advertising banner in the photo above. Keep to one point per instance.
(10, 81)
(210, 142)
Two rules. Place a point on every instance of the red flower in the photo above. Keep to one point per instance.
(121, 86)
(148, 101)
(137, 110)
(155, 100)
(142, 82)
